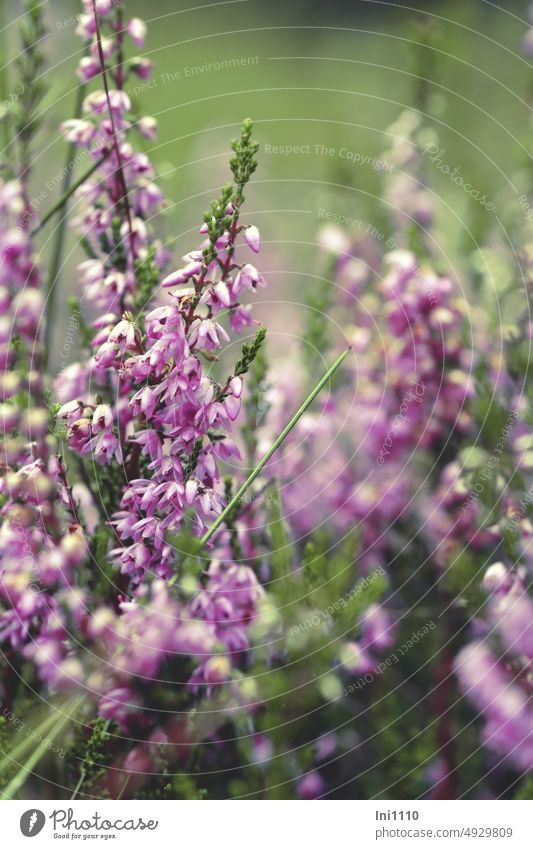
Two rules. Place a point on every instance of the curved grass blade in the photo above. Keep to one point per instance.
(20, 777)
(272, 450)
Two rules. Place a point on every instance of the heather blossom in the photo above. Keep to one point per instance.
(155, 414)
(423, 402)
(495, 672)
(168, 422)
(41, 538)
(260, 625)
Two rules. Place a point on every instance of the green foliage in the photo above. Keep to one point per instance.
(94, 755)
(249, 353)
(426, 43)
(102, 574)
(192, 459)
(462, 579)
(255, 405)
(6, 773)
(84, 330)
(236, 549)
(281, 553)
(398, 740)
(312, 609)
(219, 219)
(147, 276)
(29, 64)
(244, 163)
(316, 336)
(191, 564)
(525, 789)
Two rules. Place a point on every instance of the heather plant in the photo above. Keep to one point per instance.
(225, 578)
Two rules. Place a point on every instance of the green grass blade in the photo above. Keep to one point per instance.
(281, 552)
(18, 780)
(57, 207)
(272, 450)
(25, 745)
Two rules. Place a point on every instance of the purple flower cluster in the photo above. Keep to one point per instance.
(167, 420)
(143, 407)
(124, 649)
(495, 671)
(453, 518)
(40, 538)
(410, 201)
(407, 394)
(172, 418)
(117, 203)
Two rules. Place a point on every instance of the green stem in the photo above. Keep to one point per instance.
(78, 785)
(57, 253)
(4, 89)
(120, 167)
(64, 198)
(18, 780)
(274, 447)
(83, 770)
(26, 744)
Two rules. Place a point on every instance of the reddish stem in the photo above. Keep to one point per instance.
(120, 168)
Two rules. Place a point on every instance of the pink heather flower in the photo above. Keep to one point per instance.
(497, 578)
(118, 705)
(108, 46)
(182, 275)
(107, 355)
(137, 31)
(377, 628)
(147, 126)
(311, 786)
(142, 67)
(354, 659)
(86, 26)
(513, 616)
(70, 411)
(158, 414)
(88, 68)
(207, 334)
(103, 7)
(504, 703)
(126, 336)
(252, 238)
(102, 418)
(9, 417)
(241, 318)
(247, 278)
(80, 132)
(79, 435)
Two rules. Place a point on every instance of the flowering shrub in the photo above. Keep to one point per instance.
(213, 566)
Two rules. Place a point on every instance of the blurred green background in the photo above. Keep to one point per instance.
(310, 74)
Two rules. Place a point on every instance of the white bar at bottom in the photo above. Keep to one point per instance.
(256, 824)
